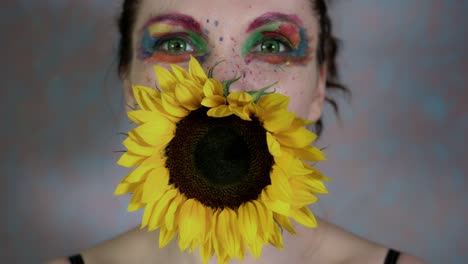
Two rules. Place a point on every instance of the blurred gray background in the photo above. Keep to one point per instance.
(398, 156)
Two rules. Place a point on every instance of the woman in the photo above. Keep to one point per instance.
(299, 55)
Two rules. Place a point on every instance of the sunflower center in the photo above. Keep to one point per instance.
(222, 156)
(221, 162)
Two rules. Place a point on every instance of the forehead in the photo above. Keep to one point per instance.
(228, 13)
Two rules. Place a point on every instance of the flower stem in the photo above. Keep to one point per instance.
(259, 93)
(227, 84)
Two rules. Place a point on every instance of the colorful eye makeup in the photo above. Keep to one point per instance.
(172, 38)
(277, 39)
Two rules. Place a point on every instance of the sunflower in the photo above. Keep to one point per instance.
(223, 171)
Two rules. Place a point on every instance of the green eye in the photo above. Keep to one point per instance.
(270, 46)
(176, 46)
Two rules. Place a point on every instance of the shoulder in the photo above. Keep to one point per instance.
(133, 246)
(335, 245)
(58, 261)
(409, 259)
(327, 243)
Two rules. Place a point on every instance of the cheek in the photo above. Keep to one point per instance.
(299, 83)
(301, 94)
(143, 73)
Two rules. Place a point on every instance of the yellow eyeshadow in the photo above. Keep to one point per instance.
(159, 28)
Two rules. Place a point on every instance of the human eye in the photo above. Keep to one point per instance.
(172, 48)
(174, 45)
(271, 46)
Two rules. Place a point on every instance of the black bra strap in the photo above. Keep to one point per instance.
(76, 259)
(392, 256)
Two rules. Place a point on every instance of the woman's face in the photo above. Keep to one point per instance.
(261, 41)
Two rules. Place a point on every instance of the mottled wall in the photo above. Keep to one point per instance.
(398, 156)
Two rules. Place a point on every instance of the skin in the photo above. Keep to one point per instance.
(304, 83)
(226, 36)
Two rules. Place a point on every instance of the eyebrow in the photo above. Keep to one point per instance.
(184, 21)
(273, 17)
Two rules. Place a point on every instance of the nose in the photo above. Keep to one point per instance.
(228, 64)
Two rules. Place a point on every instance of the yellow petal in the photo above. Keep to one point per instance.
(304, 216)
(125, 187)
(180, 73)
(309, 183)
(159, 108)
(166, 79)
(213, 101)
(148, 100)
(239, 98)
(212, 87)
(227, 235)
(275, 204)
(192, 223)
(193, 245)
(285, 160)
(153, 133)
(220, 111)
(224, 259)
(284, 222)
(147, 214)
(277, 121)
(172, 106)
(241, 252)
(156, 184)
(265, 217)
(129, 160)
(276, 239)
(174, 209)
(298, 122)
(241, 111)
(298, 168)
(136, 148)
(273, 145)
(135, 202)
(248, 221)
(273, 101)
(298, 138)
(302, 198)
(196, 70)
(310, 153)
(206, 251)
(154, 161)
(160, 209)
(316, 174)
(142, 95)
(143, 116)
(188, 96)
(138, 174)
(280, 185)
(217, 245)
(303, 195)
(255, 110)
(292, 165)
(165, 236)
(255, 248)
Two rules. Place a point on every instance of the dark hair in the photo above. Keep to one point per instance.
(327, 49)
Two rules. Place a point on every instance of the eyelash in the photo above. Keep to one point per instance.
(159, 44)
(282, 41)
(154, 47)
